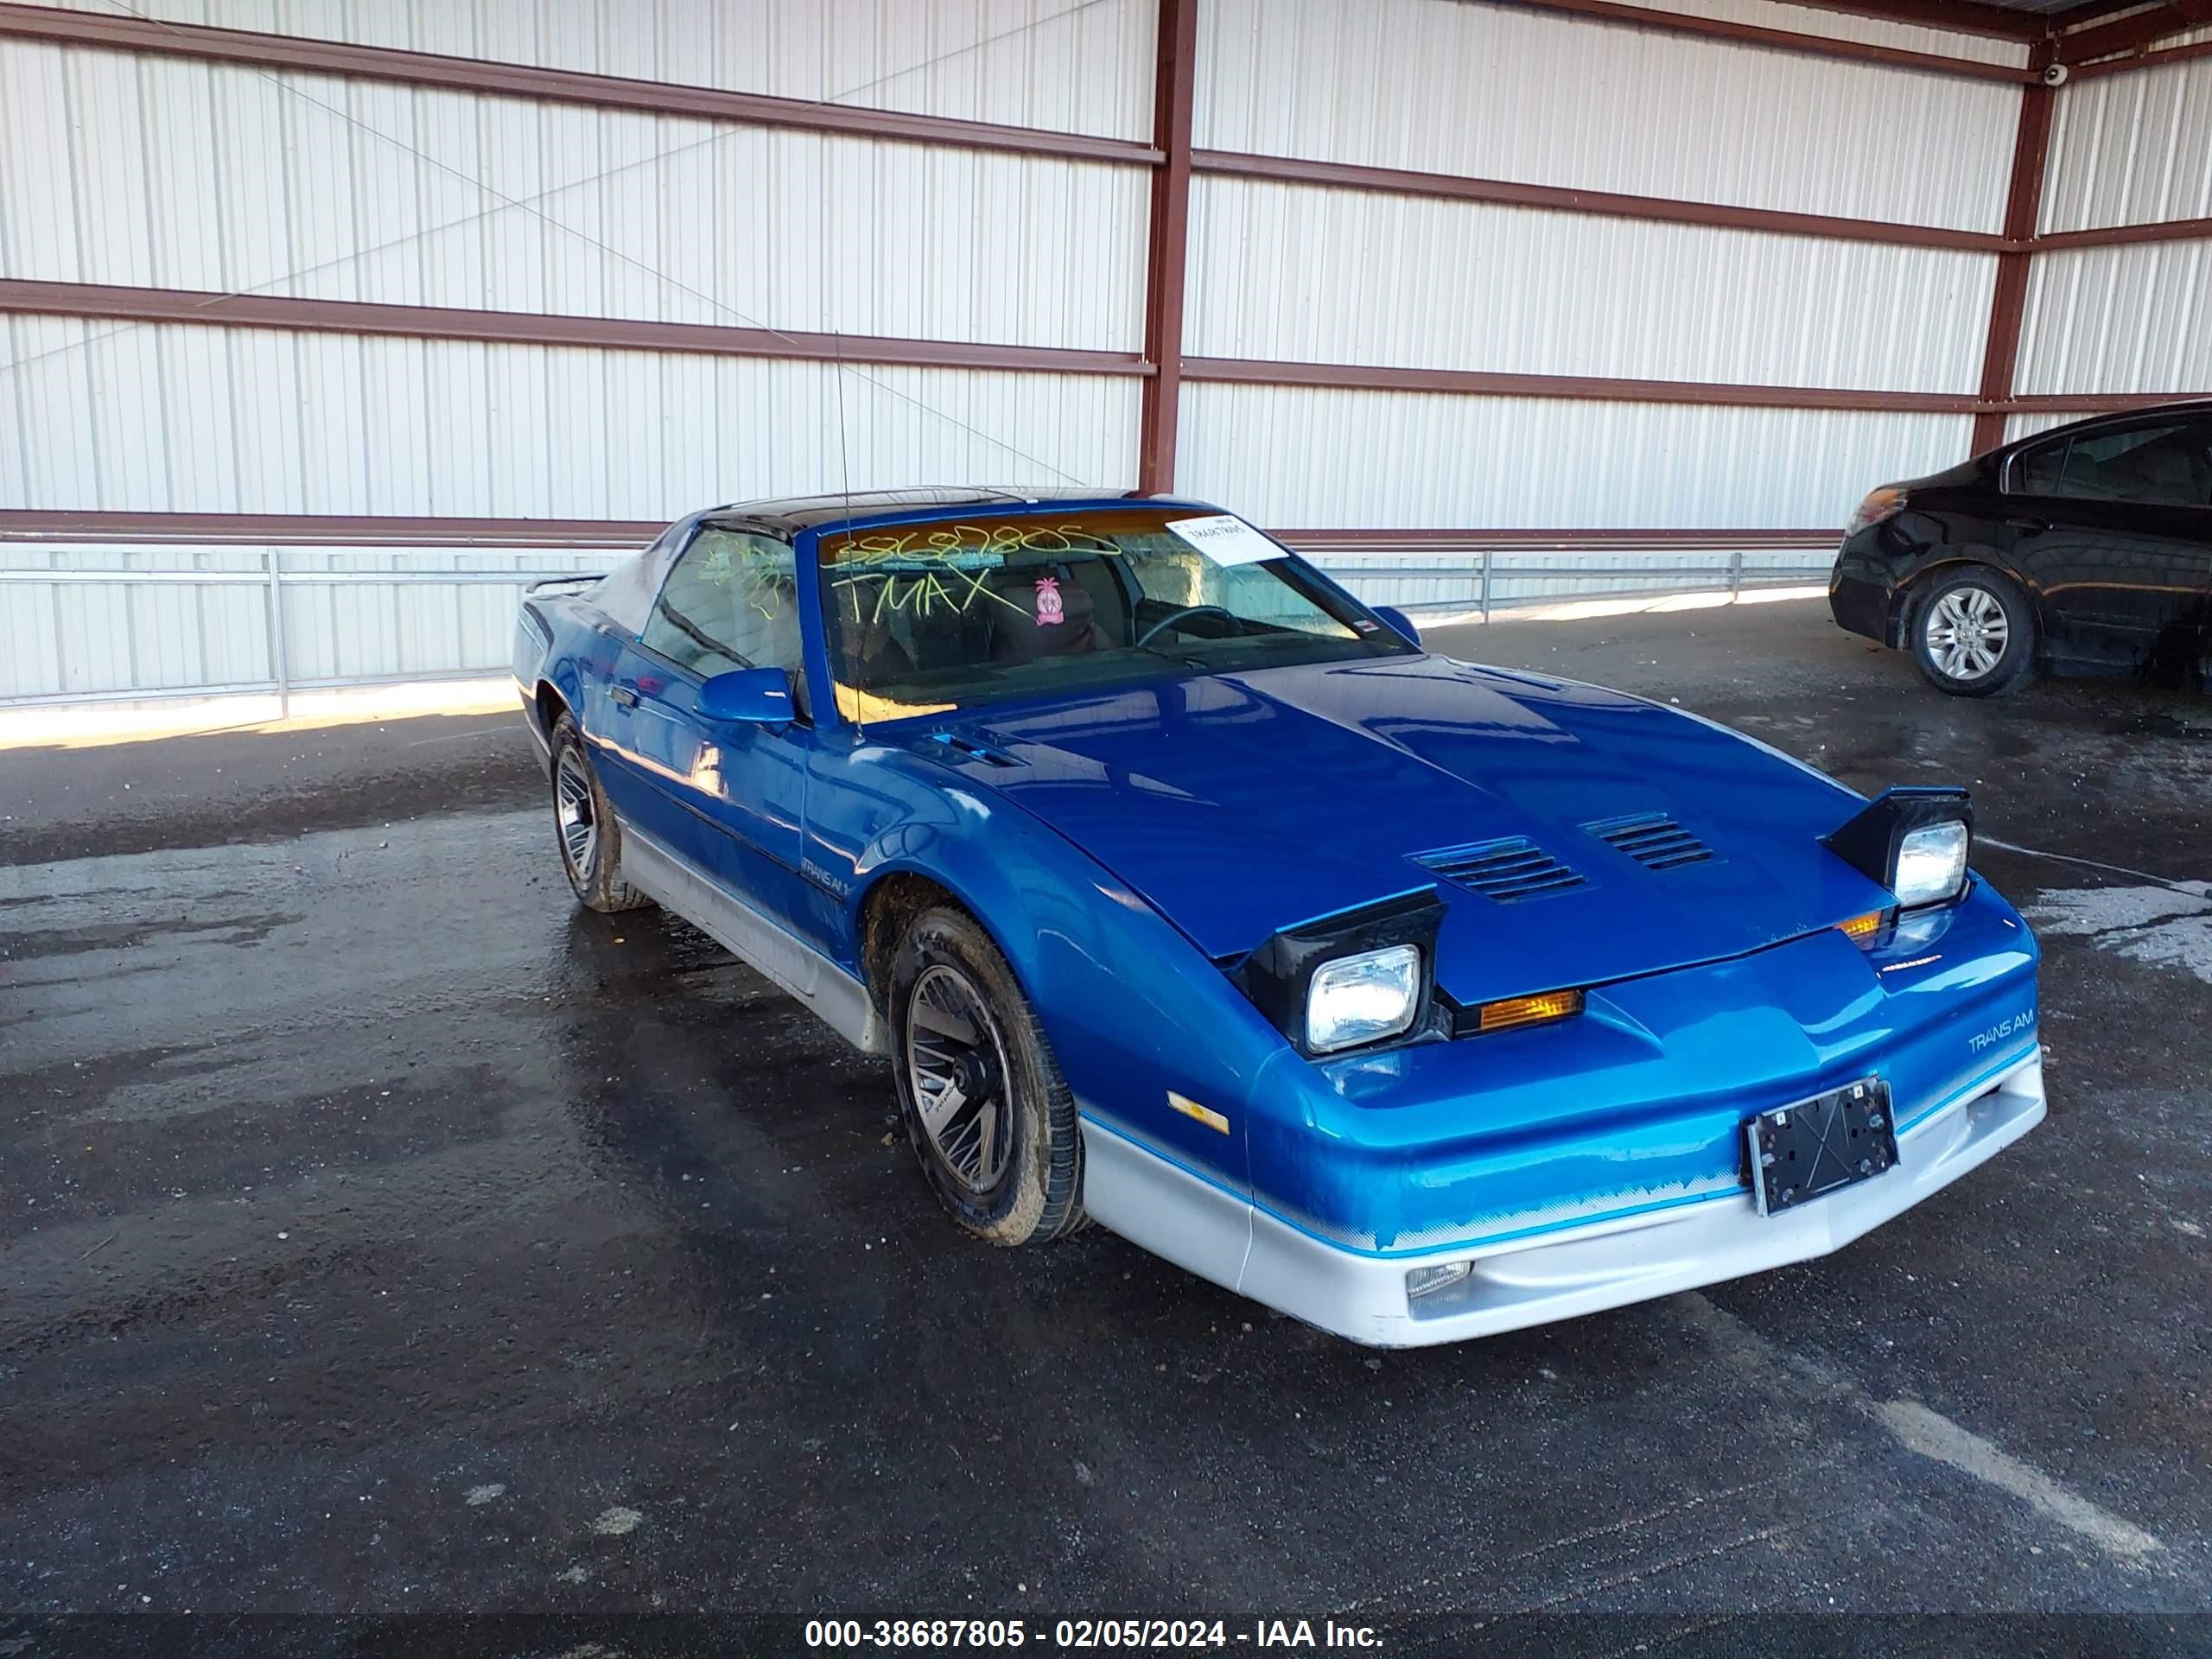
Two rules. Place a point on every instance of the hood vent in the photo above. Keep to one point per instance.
(1508, 870)
(971, 749)
(1653, 840)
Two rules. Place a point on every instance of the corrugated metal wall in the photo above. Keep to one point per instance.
(2126, 149)
(177, 418)
(1328, 275)
(1322, 275)
(135, 169)
(228, 179)
(1398, 460)
(141, 170)
(1074, 66)
(1500, 93)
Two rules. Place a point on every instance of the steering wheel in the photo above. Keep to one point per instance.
(1174, 617)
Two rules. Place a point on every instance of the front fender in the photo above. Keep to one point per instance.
(1131, 1007)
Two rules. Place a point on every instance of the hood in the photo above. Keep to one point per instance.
(1576, 835)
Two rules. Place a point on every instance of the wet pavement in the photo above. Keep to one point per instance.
(380, 1235)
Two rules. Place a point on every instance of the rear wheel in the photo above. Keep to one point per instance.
(585, 826)
(1974, 634)
(988, 1113)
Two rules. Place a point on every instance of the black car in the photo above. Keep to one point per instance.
(2087, 549)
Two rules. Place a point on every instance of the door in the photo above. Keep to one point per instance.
(728, 800)
(2113, 527)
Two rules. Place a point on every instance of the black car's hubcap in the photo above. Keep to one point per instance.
(956, 1065)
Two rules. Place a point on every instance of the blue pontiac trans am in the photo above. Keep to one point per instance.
(1187, 893)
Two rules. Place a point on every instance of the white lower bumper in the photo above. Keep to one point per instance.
(1546, 1277)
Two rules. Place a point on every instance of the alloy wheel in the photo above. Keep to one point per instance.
(956, 1067)
(573, 810)
(1968, 632)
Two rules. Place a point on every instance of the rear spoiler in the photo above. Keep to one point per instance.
(561, 587)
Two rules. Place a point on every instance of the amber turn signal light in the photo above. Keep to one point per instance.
(1859, 929)
(1509, 1011)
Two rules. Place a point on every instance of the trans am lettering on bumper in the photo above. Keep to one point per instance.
(2022, 1022)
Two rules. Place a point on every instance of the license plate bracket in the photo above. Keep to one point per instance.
(1812, 1148)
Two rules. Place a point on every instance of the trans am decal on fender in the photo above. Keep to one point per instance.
(1186, 893)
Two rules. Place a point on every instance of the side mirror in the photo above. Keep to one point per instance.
(1398, 619)
(748, 697)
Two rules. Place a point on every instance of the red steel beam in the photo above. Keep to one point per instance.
(102, 301)
(2132, 33)
(266, 51)
(2113, 236)
(1168, 257)
(1482, 383)
(319, 530)
(2143, 60)
(1344, 176)
(1960, 16)
(1778, 39)
(2057, 22)
(2098, 402)
(2009, 299)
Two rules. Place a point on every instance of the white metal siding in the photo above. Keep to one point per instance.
(1496, 91)
(212, 177)
(80, 637)
(1058, 64)
(2137, 318)
(179, 418)
(1322, 459)
(2132, 148)
(1330, 276)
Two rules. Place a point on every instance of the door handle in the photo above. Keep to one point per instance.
(2028, 526)
(627, 695)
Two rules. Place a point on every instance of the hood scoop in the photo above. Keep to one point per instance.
(1653, 840)
(1507, 870)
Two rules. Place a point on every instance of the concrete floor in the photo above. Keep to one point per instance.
(381, 1236)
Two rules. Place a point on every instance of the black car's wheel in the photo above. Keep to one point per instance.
(1974, 634)
(988, 1113)
(590, 840)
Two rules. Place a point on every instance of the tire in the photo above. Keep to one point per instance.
(585, 829)
(1006, 1158)
(1974, 634)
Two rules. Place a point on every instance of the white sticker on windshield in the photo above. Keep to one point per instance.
(1226, 539)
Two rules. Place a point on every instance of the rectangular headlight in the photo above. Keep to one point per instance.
(1931, 863)
(1914, 842)
(1359, 999)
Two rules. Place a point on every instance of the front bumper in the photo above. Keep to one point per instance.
(1860, 597)
(1551, 1275)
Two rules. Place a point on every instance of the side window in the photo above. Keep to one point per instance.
(2165, 464)
(730, 602)
(2035, 472)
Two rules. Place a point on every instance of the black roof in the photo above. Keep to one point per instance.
(792, 514)
(2120, 417)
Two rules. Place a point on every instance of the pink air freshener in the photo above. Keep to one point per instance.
(1048, 601)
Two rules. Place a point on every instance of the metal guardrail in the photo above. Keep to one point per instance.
(1481, 573)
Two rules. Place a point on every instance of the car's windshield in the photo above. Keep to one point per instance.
(925, 619)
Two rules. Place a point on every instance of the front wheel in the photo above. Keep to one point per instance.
(988, 1113)
(1974, 634)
